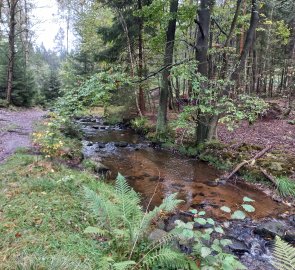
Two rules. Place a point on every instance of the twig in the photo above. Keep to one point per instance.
(269, 177)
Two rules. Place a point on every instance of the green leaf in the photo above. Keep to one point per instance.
(225, 209)
(205, 251)
(209, 230)
(202, 213)
(248, 207)
(194, 211)
(219, 230)
(216, 248)
(201, 221)
(238, 215)
(206, 236)
(225, 242)
(247, 199)
(210, 221)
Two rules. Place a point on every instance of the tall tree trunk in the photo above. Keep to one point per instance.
(228, 38)
(168, 61)
(12, 4)
(204, 121)
(141, 99)
(249, 40)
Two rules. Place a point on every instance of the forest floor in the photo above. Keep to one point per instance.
(16, 127)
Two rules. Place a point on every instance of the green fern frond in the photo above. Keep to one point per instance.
(283, 255)
(102, 207)
(105, 263)
(96, 230)
(166, 239)
(124, 265)
(128, 202)
(168, 205)
(169, 259)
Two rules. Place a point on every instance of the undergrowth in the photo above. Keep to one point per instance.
(42, 215)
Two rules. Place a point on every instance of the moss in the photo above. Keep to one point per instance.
(278, 163)
(244, 147)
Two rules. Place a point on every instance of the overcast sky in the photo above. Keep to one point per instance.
(45, 21)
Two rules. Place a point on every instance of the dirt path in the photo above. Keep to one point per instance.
(16, 128)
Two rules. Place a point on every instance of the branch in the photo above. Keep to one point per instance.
(219, 27)
(189, 44)
(161, 69)
(251, 161)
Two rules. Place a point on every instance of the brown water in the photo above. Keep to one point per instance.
(156, 173)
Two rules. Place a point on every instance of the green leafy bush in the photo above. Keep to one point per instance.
(51, 140)
(140, 125)
(98, 90)
(210, 255)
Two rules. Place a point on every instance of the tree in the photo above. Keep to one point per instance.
(205, 121)
(168, 61)
(12, 4)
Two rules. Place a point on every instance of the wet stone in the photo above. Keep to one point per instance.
(212, 183)
(157, 234)
(290, 236)
(100, 168)
(270, 229)
(89, 144)
(121, 144)
(238, 247)
(101, 145)
(95, 127)
(200, 226)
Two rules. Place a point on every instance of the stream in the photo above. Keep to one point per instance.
(156, 173)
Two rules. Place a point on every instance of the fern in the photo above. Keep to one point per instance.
(122, 220)
(124, 265)
(169, 259)
(102, 207)
(168, 205)
(283, 255)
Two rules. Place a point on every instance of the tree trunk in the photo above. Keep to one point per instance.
(141, 99)
(168, 61)
(228, 38)
(249, 40)
(204, 121)
(11, 48)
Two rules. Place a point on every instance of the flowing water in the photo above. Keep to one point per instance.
(156, 173)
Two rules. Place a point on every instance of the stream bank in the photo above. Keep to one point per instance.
(155, 173)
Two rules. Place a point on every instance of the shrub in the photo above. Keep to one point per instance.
(123, 227)
(140, 125)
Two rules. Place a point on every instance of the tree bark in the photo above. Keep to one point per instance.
(168, 61)
(228, 38)
(249, 40)
(205, 122)
(12, 4)
(141, 99)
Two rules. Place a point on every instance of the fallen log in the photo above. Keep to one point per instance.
(250, 161)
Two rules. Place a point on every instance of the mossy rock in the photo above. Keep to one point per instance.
(244, 147)
(278, 163)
